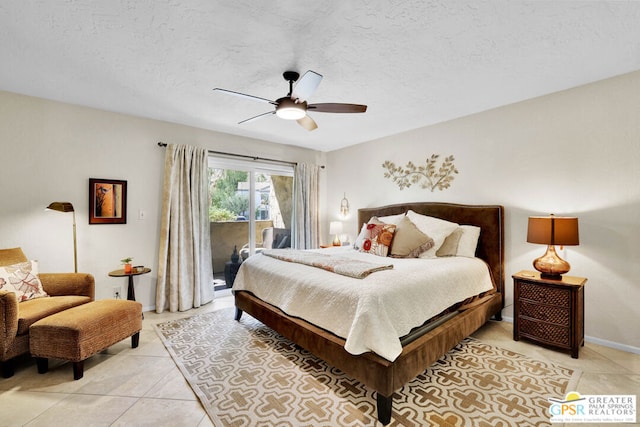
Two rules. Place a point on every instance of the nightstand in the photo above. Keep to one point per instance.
(550, 312)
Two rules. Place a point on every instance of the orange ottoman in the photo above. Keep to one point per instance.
(80, 332)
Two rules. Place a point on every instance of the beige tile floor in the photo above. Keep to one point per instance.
(142, 386)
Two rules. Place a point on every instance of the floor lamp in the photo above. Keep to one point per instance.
(68, 207)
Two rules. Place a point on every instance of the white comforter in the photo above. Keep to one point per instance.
(371, 314)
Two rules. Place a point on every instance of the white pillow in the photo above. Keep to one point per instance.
(361, 236)
(437, 229)
(391, 219)
(462, 242)
(468, 241)
(22, 278)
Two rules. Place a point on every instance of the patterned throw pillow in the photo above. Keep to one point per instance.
(22, 279)
(376, 237)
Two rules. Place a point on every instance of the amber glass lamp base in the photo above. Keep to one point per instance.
(550, 265)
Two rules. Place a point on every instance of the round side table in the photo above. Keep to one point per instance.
(131, 292)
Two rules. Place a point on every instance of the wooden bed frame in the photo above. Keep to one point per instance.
(381, 375)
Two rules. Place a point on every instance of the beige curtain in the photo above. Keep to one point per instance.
(185, 273)
(306, 199)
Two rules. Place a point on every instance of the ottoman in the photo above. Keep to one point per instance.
(80, 332)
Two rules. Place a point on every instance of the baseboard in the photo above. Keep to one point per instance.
(611, 344)
(218, 293)
(599, 341)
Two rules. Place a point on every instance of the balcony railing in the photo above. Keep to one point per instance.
(227, 234)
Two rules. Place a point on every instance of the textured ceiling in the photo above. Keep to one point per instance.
(413, 62)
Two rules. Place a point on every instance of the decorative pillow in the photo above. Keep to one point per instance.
(389, 219)
(377, 237)
(392, 219)
(437, 229)
(281, 241)
(450, 245)
(462, 242)
(22, 279)
(358, 243)
(468, 241)
(408, 241)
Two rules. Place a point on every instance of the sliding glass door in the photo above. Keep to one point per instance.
(251, 210)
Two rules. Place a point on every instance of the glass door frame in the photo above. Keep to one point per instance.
(253, 167)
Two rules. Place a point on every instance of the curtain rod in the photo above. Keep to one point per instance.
(163, 144)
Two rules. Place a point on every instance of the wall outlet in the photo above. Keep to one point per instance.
(117, 292)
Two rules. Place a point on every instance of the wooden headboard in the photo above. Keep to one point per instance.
(490, 219)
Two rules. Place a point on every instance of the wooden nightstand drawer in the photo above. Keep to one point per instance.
(549, 311)
(558, 315)
(546, 295)
(548, 332)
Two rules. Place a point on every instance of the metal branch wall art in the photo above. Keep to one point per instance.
(429, 176)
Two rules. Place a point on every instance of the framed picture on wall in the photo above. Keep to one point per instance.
(107, 201)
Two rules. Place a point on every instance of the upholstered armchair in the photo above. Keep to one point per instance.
(64, 290)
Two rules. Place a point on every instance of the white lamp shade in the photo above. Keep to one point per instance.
(335, 227)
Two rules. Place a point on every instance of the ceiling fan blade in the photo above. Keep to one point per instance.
(308, 123)
(244, 95)
(307, 84)
(256, 117)
(337, 108)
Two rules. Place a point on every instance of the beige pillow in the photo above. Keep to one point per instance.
(462, 242)
(436, 228)
(408, 241)
(450, 245)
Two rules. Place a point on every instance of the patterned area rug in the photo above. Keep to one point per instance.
(247, 375)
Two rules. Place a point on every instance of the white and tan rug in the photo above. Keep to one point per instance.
(247, 375)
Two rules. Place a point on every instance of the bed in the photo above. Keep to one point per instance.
(381, 374)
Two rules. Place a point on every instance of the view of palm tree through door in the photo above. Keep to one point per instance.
(251, 210)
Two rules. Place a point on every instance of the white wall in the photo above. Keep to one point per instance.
(575, 152)
(48, 152)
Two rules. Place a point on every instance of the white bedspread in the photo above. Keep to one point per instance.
(371, 314)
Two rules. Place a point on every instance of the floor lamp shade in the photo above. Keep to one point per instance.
(551, 231)
(68, 207)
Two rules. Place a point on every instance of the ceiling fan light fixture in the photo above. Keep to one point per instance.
(294, 106)
(288, 109)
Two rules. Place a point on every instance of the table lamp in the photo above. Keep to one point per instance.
(68, 207)
(552, 230)
(335, 228)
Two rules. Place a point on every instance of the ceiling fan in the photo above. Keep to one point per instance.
(294, 106)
